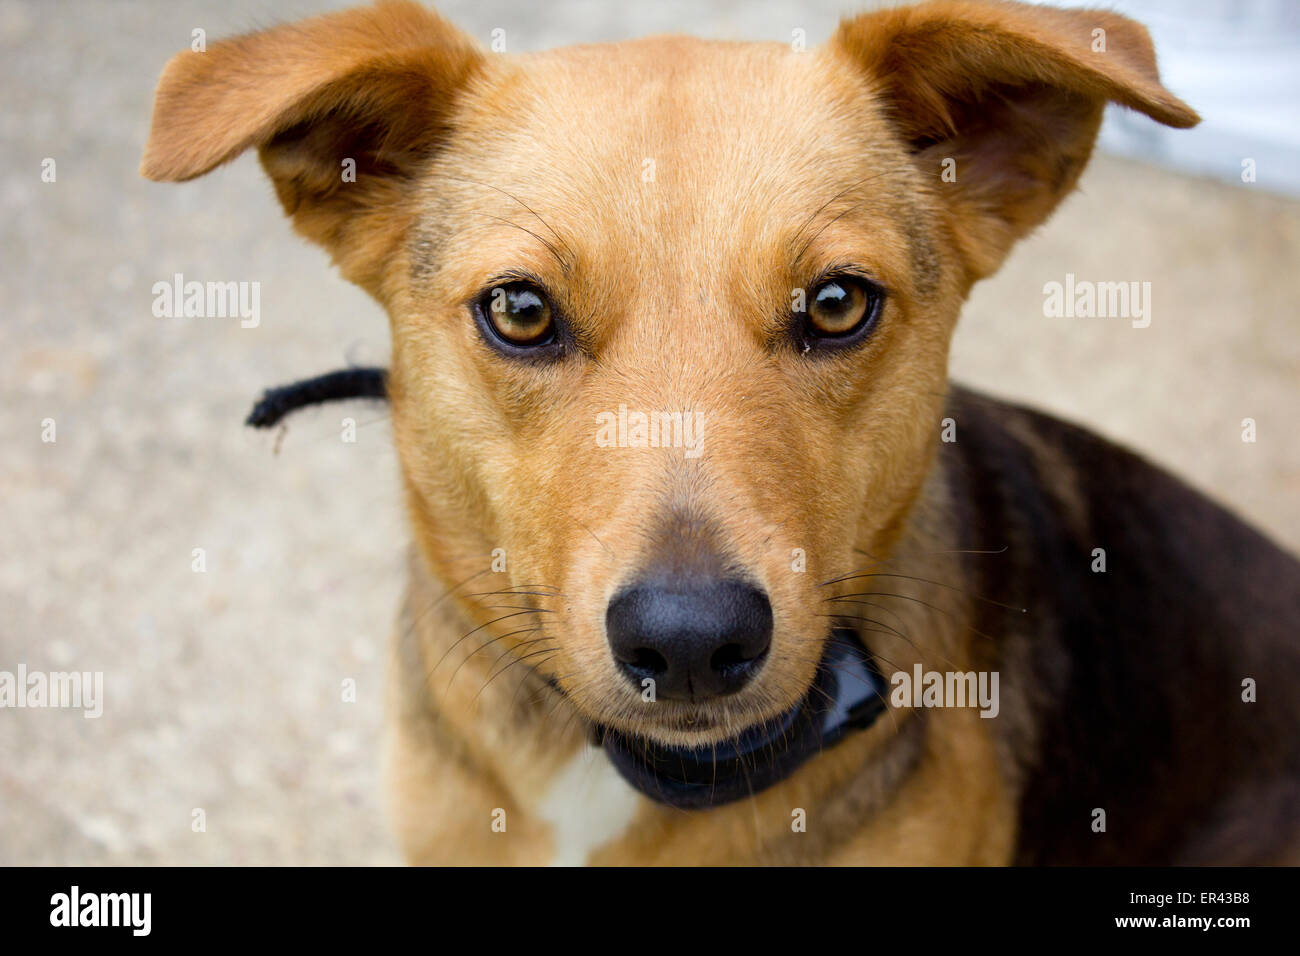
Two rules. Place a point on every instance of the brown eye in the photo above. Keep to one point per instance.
(519, 314)
(841, 306)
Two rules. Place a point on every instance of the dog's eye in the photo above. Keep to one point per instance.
(519, 314)
(842, 309)
(837, 307)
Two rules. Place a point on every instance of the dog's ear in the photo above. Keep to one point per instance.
(1006, 100)
(343, 109)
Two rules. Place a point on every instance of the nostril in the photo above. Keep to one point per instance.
(647, 662)
(731, 659)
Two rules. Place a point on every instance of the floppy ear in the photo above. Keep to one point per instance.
(373, 86)
(1013, 94)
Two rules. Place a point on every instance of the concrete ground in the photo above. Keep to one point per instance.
(223, 688)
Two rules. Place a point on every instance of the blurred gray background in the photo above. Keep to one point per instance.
(223, 688)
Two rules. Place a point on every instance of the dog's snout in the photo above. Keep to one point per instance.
(695, 639)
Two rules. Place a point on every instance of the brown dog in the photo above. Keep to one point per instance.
(670, 330)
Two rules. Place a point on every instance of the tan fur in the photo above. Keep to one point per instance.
(473, 164)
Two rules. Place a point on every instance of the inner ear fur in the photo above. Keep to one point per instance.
(1013, 94)
(373, 85)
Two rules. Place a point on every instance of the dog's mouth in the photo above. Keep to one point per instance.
(847, 694)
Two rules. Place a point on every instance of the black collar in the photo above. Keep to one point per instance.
(847, 695)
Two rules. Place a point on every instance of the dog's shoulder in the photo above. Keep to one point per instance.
(1081, 491)
(1161, 659)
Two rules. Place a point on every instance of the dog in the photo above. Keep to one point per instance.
(711, 563)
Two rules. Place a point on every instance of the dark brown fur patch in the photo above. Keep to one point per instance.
(1135, 674)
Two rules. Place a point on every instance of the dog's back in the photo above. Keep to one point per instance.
(1162, 682)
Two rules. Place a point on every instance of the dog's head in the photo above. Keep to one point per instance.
(670, 318)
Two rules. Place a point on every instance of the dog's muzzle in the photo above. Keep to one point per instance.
(847, 695)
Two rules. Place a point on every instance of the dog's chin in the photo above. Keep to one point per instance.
(696, 757)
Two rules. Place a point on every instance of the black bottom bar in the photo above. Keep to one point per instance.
(913, 906)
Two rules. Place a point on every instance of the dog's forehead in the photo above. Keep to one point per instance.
(702, 139)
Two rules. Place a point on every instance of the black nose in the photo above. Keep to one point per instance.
(695, 639)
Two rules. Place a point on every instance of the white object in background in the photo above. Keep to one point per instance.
(1237, 63)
